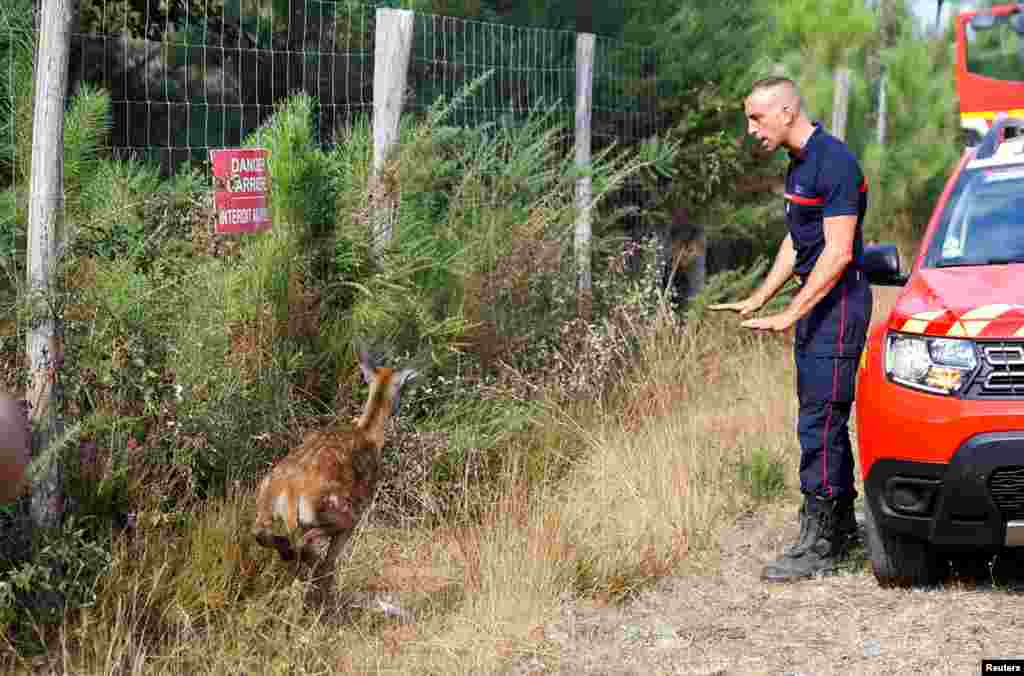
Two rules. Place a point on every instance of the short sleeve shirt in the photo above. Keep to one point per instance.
(824, 180)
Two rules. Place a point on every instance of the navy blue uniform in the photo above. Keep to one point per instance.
(825, 180)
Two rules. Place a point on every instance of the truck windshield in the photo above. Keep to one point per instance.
(984, 224)
(996, 49)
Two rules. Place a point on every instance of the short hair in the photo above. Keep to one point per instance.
(772, 82)
(777, 82)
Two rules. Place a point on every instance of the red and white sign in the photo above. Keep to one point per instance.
(240, 187)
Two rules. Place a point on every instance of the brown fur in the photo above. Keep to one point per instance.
(322, 487)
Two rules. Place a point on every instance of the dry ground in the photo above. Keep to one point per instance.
(721, 619)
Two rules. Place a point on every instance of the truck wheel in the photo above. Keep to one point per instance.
(899, 561)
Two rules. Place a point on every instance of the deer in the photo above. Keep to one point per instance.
(321, 489)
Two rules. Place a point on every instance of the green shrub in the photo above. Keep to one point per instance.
(763, 474)
(57, 575)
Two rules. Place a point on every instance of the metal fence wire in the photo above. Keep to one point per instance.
(531, 69)
(185, 76)
(191, 75)
(16, 49)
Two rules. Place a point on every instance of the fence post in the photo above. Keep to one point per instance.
(584, 99)
(696, 271)
(45, 229)
(882, 121)
(393, 43)
(840, 102)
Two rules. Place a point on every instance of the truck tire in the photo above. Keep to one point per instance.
(900, 561)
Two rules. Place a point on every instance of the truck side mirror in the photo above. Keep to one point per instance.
(983, 21)
(881, 264)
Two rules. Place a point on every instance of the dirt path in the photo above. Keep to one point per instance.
(724, 620)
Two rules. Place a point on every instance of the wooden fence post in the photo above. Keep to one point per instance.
(882, 121)
(840, 102)
(697, 269)
(390, 71)
(45, 231)
(582, 241)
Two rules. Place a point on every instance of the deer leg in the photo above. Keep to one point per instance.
(320, 546)
(278, 542)
(266, 537)
(313, 546)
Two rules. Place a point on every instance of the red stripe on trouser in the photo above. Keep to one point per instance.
(835, 391)
(828, 423)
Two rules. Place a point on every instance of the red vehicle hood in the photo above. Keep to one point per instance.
(978, 301)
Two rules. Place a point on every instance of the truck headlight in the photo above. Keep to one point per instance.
(939, 365)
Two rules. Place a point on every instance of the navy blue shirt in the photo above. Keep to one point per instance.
(823, 180)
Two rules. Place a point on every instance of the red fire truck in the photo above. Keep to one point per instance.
(989, 66)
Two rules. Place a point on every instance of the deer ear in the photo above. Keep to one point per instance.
(366, 366)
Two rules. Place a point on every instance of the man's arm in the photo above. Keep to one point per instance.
(828, 269)
(837, 254)
(781, 271)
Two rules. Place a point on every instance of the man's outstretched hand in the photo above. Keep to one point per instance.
(743, 307)
(779, 322)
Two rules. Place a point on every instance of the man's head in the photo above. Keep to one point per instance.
(774, 113)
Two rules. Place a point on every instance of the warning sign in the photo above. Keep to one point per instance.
(240, 186)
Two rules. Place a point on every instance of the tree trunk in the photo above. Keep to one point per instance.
(45, 230)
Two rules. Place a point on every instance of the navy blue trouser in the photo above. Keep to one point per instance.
(827, 350)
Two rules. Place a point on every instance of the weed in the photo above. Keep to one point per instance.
(763, 474)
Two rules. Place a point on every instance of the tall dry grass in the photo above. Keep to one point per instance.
(665, 468)
(659, 476)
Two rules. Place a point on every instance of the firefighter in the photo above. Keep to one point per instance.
(825, 200)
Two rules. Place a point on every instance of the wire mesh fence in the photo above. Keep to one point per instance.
(529, 69)
(185, 76)
(625, 113)
(197, 74)
(16, 42)
(533, 69)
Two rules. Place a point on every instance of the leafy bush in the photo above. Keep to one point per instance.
(763, 475)
(54, 576)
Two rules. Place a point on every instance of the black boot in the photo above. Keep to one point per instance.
(846, 525)
(819, 548)
(790, 550)
(846, 521)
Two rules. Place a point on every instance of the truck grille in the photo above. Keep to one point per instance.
(1002, 371)
(1007, 489)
